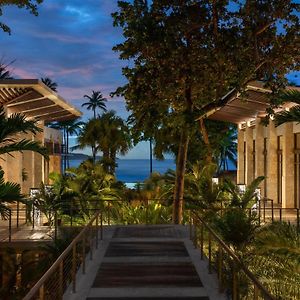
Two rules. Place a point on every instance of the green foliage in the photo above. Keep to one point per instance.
(236, 227)
(17, 124)
(136, 212)
(274, 257)
(293, 114)
(243, 199)
(30, 5)
(200, 191)
(9, 193)
(184, 55)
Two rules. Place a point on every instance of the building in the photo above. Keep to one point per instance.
(273, 152)
(35, 100)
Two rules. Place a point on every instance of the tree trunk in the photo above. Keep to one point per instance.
(179, 181)
(206, 140)
(113, 162)
(68, 160)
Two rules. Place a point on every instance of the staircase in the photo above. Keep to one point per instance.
(146, 262)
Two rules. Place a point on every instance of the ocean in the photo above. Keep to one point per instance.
(136, 170)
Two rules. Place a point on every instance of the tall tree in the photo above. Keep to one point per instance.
(186, 54)
(114, 139)
(30, 5)
(50, 83)
(96, 100)
(90, 136)
(68, 127)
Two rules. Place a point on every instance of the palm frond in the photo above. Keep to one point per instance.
(293, 115)
(24, 145)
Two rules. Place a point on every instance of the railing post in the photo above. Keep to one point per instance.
(255, 295)
(201, 240)
(97, 228)
(91, 243)
(101, 226)
(190, 227)
(209, 253)
(147, 221)
(108, 214)
(220, 268)
(55, 225)
(18, 211)
(280, 214)
(9, 226)
(272, 207)
(298, 219)
(83, 255)
(42, 292)
(33, 215)
(74, 269)
(61, 279)
(71, 214)
(234, 283)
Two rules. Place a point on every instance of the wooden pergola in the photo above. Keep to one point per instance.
(245, 107)
(34, 99)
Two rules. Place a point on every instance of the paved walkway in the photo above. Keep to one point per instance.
(146, 262)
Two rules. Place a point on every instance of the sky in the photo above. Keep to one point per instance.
(71, 42)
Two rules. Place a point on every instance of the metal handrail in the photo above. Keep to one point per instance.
(38, 288)
(257, 285)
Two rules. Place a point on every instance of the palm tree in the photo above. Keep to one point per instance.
(89, 136)
(69, 127)
(50, 83)
(12, 126)
(9, 192)
(114, 139)
(96, 100)
(9, 129)
(293, 115)
(4, 72)
(227, 149)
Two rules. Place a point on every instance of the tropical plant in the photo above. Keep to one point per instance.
(291, 115)
(114, 139)
(4, 72)
(274, 257)
(16, 124)
(226, 149)
(201, 191)
(9, 193)
(90, 136)
(236, 225)
(69, 128)
(50, 83)
(243, 199)
(96, 100)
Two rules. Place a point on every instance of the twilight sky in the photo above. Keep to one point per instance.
(71, 42)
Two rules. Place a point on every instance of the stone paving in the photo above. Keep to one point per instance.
(146, 262)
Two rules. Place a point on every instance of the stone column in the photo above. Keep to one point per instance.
(240, 157)
(288, 166)
(272, 163)
(259, 151)
(249, 155)
(38, 161)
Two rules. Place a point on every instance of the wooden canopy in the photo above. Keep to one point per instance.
(245, 107)
(35, 100)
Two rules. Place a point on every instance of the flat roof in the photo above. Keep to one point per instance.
(34, 99)
(246, 106)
